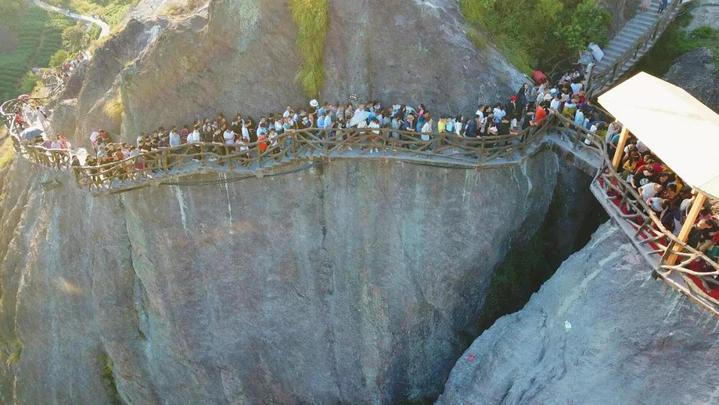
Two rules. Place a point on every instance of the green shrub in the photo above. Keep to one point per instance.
(675, 42)
(312, 19)
(78, 37)
(536, 33)
(15, 354)
(7, 152)
(114, 109)
(38, 38)
(588, 23)
(59, 57)
(28, 83)
(108, 377)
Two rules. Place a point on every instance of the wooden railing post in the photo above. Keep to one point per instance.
(689, 222)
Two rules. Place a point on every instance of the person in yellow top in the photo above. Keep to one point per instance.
(631, 163)
(441, 125)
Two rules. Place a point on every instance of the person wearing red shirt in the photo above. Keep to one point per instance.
(540, 114)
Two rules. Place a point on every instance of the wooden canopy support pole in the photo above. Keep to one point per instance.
(697, 206)
(619, 153)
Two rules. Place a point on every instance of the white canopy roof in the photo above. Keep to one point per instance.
(678, 128)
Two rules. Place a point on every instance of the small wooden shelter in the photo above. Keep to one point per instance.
(676, 127)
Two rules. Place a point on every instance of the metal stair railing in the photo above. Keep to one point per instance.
(601, 81)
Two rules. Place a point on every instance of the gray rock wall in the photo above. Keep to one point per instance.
(696, 72)
(600, 331)
(241, 56)
(412, 52)
(349, 282)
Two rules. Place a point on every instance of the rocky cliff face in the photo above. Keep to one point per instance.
(600, 331)
(350, 282)
(242, 56)
(413, 51)
(696, 72)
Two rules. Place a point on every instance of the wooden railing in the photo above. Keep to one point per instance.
(656, 243)
(291, 146)
(598, 82)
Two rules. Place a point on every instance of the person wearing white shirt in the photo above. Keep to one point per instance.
(194, 136)
(229, 136)
(650, 190)
(242, 147)
(426, 128)
(656, 203)
(175, 139)
(93, 139)
(555, 104)
(459, 127)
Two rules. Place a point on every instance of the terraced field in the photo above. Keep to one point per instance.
(110, 11)
(38, 37)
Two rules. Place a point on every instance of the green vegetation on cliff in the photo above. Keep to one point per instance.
(29, 37)
(108, 378)
(675, 42)
(7, 152)
(312, 19)
(538, 33)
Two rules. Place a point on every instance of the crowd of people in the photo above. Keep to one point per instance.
(667, 196)
(66, 69)
(530, 106)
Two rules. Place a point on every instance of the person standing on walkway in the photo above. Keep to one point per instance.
(662, 6)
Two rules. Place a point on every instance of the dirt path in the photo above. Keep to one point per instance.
(104, 27)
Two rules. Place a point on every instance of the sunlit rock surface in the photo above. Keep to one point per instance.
(412, 52)
(352, 282)
(696, 72)
(600, 331)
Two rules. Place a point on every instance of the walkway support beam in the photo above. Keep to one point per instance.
(619, 153)
(683, 236)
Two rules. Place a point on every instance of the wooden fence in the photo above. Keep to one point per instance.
(646, 231)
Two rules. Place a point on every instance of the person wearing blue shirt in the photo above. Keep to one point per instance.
(579, 117)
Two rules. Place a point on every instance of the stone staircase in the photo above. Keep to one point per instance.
(631, 43)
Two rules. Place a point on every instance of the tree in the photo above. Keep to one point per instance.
(74, 38)
(59, 57)
(588, 23)
(28, 82)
